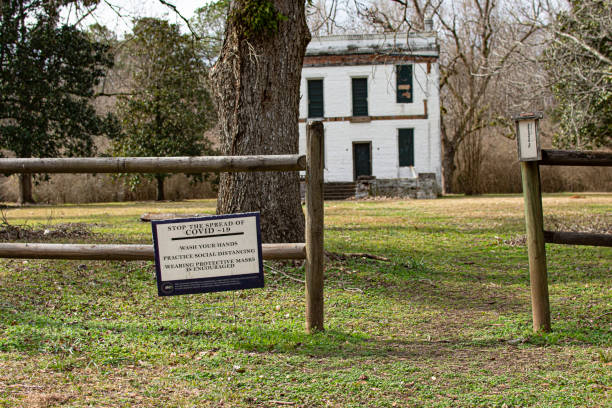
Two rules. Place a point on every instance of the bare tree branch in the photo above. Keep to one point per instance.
(584, 45)
(173, 7)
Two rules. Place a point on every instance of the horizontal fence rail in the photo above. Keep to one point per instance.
(574, 158)
(202, 164)
(578, 238)
(192, 165)
(122, 252)
(531, 157)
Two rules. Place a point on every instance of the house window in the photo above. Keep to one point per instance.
(405, 142)
(403, 74)
(360, 96)
(315, 98)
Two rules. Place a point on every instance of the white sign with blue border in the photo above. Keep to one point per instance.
(208, 254)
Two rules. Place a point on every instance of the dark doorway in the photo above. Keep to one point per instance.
(362, 159)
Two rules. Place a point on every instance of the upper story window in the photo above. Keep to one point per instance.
(403, 74)
(360, 96)
(315, 98)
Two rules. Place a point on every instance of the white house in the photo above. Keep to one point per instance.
(378, 98)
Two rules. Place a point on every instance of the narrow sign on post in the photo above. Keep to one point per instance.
(528, 136)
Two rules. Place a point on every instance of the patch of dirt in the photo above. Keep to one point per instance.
(520, 240)
(10, 232)
(44, 400)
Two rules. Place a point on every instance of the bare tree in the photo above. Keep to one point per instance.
(478, 46)
(322, 17)
(478, 39)
(398, 15)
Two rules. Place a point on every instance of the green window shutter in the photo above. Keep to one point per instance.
(406, 147)
(360, 97)
(315, 98)
(403, 75)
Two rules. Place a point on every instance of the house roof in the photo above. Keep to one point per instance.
(421, 44)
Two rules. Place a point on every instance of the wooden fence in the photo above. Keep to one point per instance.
(312, 250)
(537, 237)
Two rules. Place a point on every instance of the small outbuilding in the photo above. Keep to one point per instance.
(378, 97)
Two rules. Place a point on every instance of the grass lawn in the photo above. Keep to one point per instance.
(446, 323)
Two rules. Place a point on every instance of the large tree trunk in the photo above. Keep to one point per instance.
(25, 189)
(448, 165)
(257, 84)
(160, 188)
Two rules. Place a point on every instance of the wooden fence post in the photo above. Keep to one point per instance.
(534, 220)
(314, 227)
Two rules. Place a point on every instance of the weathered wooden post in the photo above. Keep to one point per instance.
(528, 140)
(314, 227)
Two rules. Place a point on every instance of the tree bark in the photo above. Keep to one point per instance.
(25, 189)
(160, 188)
(448, 165)
(257, 84)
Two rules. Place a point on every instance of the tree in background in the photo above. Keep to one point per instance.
(209, 26)
(47, 79)
(329, 17)
(579, 62)
(478, 42)
(257, 85)
(169, 106)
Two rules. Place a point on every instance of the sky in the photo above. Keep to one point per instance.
(128, 9)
